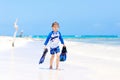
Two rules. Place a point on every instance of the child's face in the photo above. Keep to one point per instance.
(55, 28)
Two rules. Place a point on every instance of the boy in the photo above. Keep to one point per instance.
(54, 38)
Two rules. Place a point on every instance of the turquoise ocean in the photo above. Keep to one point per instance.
(95, 39)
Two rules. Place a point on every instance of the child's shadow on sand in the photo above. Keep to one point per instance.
(50, 69)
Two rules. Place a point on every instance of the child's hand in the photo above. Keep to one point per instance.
(64, 45)
(45, 47)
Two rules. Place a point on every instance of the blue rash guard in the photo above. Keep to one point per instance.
(54, 38)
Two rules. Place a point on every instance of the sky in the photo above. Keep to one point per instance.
(76, 17)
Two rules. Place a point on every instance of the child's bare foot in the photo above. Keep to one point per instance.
(57, 68)
(51, 67)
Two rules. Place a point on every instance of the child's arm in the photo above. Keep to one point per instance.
(48, 38)
(61, 39)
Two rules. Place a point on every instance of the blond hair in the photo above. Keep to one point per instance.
(55, 23)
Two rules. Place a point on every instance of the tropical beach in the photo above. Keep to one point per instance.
(86, 61)
(60, 40)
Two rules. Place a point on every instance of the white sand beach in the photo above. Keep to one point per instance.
(85, 61)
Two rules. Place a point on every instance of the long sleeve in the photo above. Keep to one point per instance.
(61, 39)
(48, 38)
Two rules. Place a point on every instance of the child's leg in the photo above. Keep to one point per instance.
(57, 60)
(51, 60)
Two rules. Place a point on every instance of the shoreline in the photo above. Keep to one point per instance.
(6, 42)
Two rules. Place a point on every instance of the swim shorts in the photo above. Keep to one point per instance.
(54, 50)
